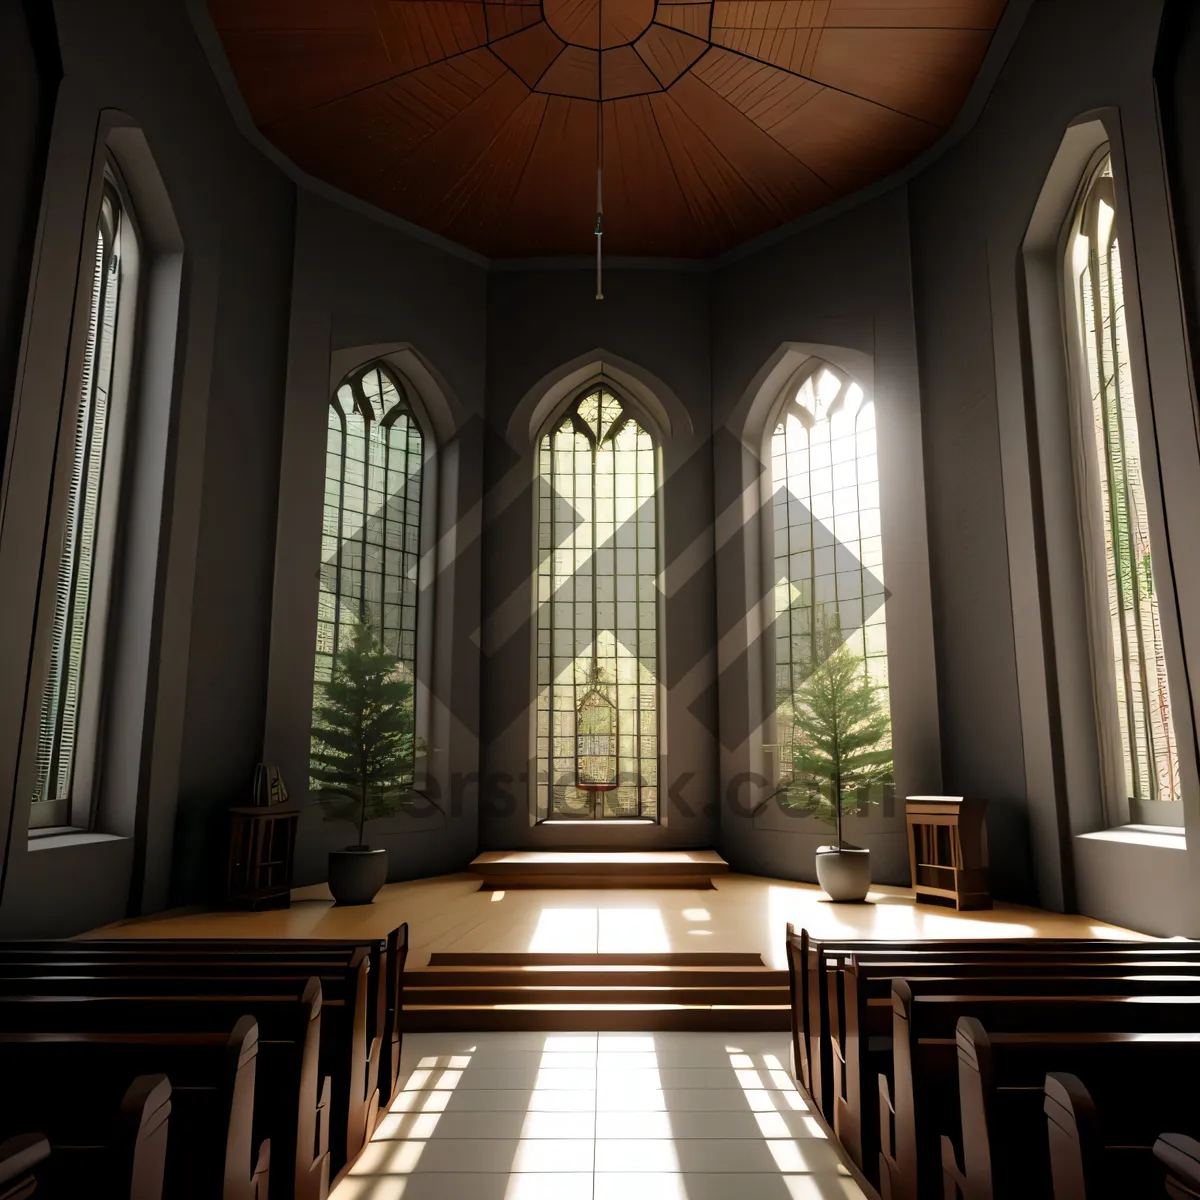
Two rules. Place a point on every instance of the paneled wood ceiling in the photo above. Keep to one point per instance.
(722, 119)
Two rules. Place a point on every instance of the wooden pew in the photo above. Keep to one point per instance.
(809, 959)
(388, 958)
(211, 1151)
(1005, 1153)
(19, 1156)
(860, 1011)
(291, 1102)
(924, 1099)
(1180, 1155)
(108, 1138)
(346, 1057)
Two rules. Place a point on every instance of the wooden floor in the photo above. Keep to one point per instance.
(742, 913)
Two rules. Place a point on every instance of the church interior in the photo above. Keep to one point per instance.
(599, 599)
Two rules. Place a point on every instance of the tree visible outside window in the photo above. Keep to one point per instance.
(1115, 527)
(597, 624)
(371, 537)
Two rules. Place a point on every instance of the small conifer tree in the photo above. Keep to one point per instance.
(840, 743)
(363, 743)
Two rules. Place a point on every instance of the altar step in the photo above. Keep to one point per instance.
(635, 992)
(503, 869)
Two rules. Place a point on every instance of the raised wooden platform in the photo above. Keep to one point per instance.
(637, 992)
(504, 869)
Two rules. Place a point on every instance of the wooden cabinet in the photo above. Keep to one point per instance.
(947, 849)
(262, 849)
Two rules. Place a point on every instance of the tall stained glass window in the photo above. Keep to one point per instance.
(828, 554)
(1117, 533)
(371, 538)
(80, 575)
(597, 622)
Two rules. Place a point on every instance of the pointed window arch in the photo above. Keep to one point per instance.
(597, 710)
(371, 535)
(1129, 658)
(827, 550)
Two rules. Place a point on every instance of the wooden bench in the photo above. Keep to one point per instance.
(347, 1058)
(1003, 1093)
(104, 1137)
(210, 1152)
(20, 1156)
(1180, 1156)
(860, 1017)
(292, 1105)
(809, 960)
(924, 1101)
(388, 956)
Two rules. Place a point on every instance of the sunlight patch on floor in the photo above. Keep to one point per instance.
(597, 1116)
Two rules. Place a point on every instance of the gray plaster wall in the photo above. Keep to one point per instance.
(361, 290)
(1015, 701)
(30, 70)
(652, 329)
(842, 291)
(204, 696)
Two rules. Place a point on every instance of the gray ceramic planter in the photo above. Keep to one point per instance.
(356, 874)
(844, 873)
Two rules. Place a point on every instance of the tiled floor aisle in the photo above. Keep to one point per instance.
(538, 1116)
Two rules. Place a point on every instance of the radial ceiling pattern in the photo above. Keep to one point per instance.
(722, 119)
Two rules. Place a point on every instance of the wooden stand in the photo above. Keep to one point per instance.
(262, 849)
(947, 849)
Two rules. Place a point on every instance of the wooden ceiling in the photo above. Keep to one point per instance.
(722, 119)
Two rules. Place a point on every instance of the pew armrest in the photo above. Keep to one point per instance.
(887, 1117)
(260, 1176)
(20, 1154)
(1181, 1156)
(324, 1112)
(145, 1115)
(954, 1183)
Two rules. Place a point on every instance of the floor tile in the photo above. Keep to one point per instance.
(676, 1116)
(521, 1099)
(660, 1185)
(678, 1124)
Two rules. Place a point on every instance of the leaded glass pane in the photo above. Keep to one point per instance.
(373, 470)
(77, 566)
(828, 564)
(597, 618)
(1139, 669)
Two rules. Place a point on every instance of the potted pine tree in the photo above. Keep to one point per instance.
(361, 762)
(840, 752)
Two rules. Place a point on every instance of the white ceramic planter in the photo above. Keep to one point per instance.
(844, 873)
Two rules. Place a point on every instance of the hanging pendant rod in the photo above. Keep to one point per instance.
(599, 231)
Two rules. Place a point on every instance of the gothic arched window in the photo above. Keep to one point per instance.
(1129, 660)
(597, 622)
(371, 537)
(827, 551)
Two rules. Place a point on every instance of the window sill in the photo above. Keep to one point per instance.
(57, 837)
(1163, 837)
(604, 822)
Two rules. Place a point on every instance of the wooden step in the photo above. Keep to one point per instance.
(694, 958)
(415, 996)
(699, 990)
(591, 869)
(606, 1018)
(586, 975)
